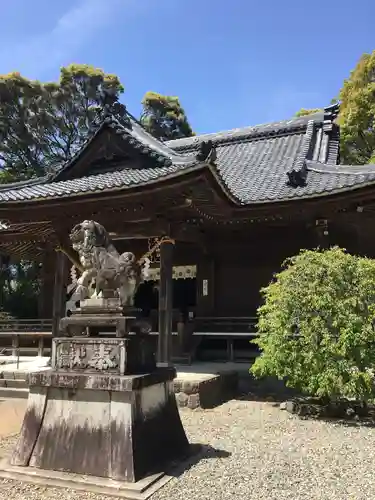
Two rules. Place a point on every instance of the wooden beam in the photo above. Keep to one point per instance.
(191, 234)
(59, 292)
(26, 236)
(148, 228)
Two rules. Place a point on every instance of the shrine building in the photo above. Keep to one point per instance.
(232, 206)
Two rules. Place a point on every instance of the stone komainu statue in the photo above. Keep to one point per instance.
(105, 272)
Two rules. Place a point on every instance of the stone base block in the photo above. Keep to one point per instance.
(83, 324)
(100, 306)
(117, 427)
(205, 391)
(130, 355)
(141, 490)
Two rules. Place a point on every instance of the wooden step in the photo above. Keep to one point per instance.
(13, 375)
(17, 383)
(13, 392)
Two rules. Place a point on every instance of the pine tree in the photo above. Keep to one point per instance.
(164, 117)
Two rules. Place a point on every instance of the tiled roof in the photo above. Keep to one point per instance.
(255, 171)
(167, 163)
(136, 136)
(247, 133)
(120, 179)
(20, 184)
(286, 160)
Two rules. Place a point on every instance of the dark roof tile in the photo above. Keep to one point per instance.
(247, 133)
(120, 179)
(261, 164)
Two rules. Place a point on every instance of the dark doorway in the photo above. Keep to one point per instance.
(184, 296)
(147, 297)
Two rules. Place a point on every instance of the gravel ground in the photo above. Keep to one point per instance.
(254, 451)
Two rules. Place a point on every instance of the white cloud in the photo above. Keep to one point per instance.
(73, 30)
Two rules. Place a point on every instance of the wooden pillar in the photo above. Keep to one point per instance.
(165, 303)
(206, 286)
(47, 285)
(59, 293)
(322, 233)
(365, 241)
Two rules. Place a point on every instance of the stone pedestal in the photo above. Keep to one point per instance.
(95, 315)
(99, 412)
(112, 426)
(121, 356)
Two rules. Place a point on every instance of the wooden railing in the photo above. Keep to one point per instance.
(30, 329)
(228, 328)
(214, 324)
(236, 325)
(26, 325)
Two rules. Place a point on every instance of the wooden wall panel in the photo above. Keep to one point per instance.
(243, 269)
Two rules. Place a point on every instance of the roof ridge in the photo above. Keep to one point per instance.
(147, 142)
(297, 175)
(325, 168)
(327, 114)
(251, 132)
(25, 183)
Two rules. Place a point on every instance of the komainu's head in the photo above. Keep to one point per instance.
(89, 234)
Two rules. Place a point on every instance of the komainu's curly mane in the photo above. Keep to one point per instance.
(103, 265)
(90, 234)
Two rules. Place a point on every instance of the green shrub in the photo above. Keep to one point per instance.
(5, 316)
(316, 327)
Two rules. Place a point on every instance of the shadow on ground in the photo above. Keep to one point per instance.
(197, 453)
(274, 391)
(346, 422)
(268, 389)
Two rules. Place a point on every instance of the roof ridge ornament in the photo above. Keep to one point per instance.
(112, 109)
(207, 152)
(297, 175)
(297, 178)
(330, 114)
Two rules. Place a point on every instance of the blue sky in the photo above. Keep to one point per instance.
(232, 63)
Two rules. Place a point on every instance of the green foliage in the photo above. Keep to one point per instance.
(305, 112)
(42, 125)
(19, 289)
(164, 118)
(357, 113)
(317, 325)
(5, 316)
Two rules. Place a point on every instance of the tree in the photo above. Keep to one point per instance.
(357, 113)
(305, 112)
(42, 125)
(19, 288)
(164, 117)
(316, 326)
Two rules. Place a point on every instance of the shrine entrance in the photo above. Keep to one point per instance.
(184, 295)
